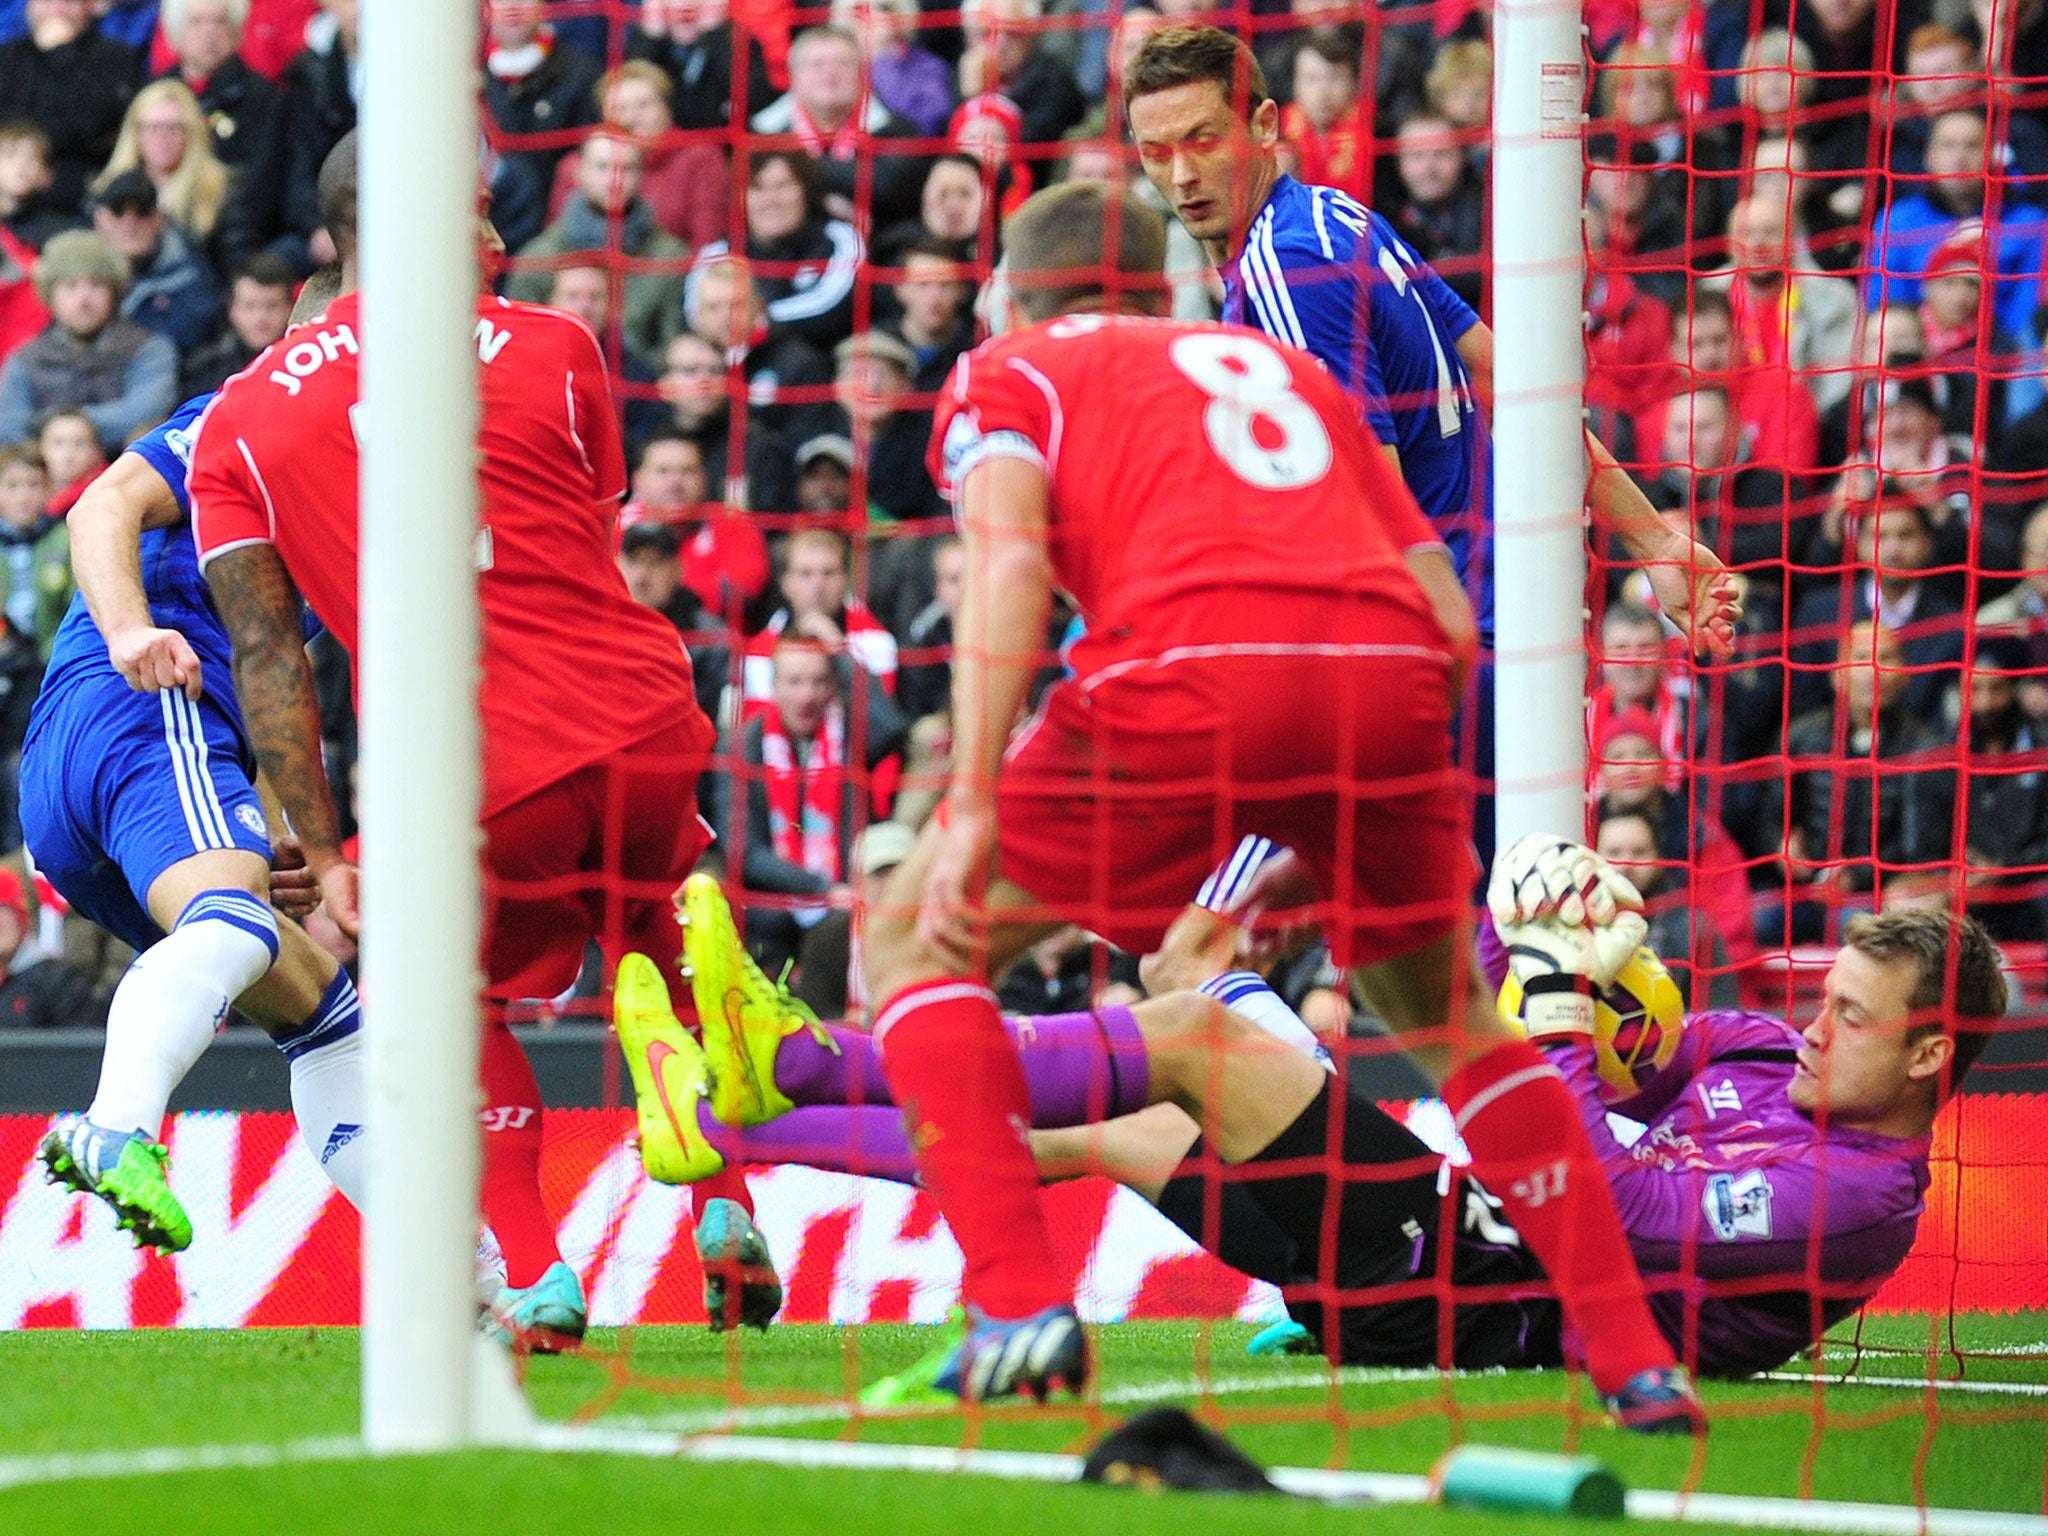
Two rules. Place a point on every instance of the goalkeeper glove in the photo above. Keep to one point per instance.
(1560, 966)
(1545, 876)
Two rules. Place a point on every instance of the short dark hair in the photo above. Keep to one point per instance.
(1705, 301)
(26, 452)
(650, 538)
(665, 435)
(803, 168)
(1334, 47)
(21, 131)
(1064, 231)
(924, 243)
(1931, 940)
(337, 187)
(1177, 56)
(267, 271)
(320, 290)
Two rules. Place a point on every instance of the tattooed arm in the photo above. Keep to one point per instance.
(274, 681)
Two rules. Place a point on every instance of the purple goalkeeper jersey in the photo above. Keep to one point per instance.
(1749, 1223)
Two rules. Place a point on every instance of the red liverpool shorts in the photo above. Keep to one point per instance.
(596, 855)
(1129, 787)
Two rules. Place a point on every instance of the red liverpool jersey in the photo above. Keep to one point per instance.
(573, 668)
(1188, 464)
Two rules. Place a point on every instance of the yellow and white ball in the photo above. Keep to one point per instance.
(1637, 1022)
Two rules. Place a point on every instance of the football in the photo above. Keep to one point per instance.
(1637, 1022)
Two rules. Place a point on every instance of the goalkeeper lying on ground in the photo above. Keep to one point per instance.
(1778, 1184)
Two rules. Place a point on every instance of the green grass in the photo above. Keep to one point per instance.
(67, 1392)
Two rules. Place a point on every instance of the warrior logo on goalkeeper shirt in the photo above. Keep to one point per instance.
(1738, 1206)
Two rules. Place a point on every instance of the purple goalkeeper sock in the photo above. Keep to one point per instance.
(1082, 1067)
(863, 1139)
(810, 1073)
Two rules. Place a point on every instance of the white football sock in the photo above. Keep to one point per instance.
(173, 999)
(1246, 992)
(326, 1053)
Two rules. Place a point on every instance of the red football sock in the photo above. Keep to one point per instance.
(1530, 1149)
(954, 1070)
(511, 1125)
(726, 1184)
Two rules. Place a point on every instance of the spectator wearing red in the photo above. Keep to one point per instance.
(27, 215)
(1794, 326)
(1627, 330)
(799, 758)
(1776, 428)
(818, 605)
(987, 127)
(859, 146)
(722, 557)
(1966, 345)
(73, 456)
(44, 993)
(685, 185)
(1632, 776)
(1893, 542)
(1324, 128)
(1640, 677)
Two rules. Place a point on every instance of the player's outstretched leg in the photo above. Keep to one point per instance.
(745, 1017)
(671, 1080)
(541, 1304)
(1530, 1149)
(954, 1069)
(221, 940)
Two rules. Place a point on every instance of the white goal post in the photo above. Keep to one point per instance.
(420, 742)
(1539, 575)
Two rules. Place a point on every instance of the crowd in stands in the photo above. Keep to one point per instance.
(1814, 305)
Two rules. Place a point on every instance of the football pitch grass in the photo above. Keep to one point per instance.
(1980, 1446)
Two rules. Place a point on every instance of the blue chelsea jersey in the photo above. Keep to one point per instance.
(178, 595)
(1324, 273)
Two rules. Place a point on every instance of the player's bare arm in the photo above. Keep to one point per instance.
(107, 526)
(1438, 577)
(1697, 592)
(260, 607)
(1003, 616)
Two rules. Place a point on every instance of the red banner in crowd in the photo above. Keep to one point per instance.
(276, 1247)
